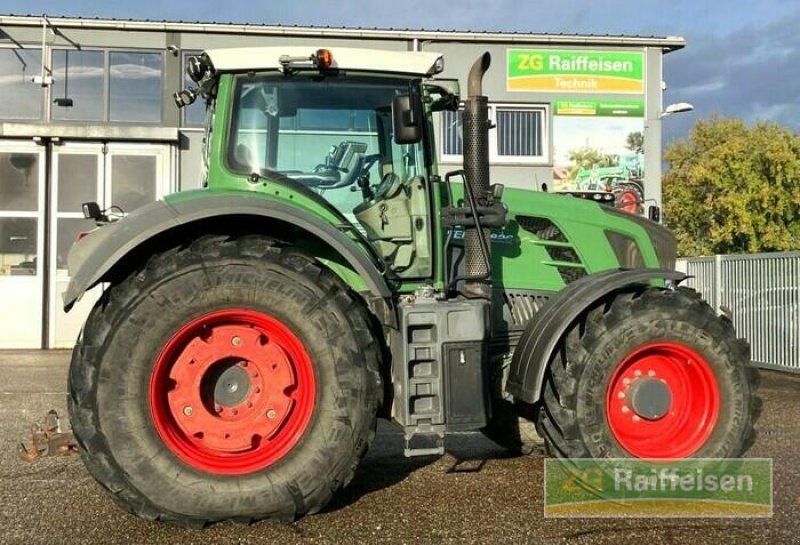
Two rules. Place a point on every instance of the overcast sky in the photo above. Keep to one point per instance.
(741, 57)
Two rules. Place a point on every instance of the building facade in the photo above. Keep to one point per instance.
(86, 114)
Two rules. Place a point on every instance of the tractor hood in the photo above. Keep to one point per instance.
(553, 239)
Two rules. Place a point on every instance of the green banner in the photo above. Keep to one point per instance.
(601, 108)
(627, 487)
(575, 70)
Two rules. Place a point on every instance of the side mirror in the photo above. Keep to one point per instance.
(91, 211)
(406, 120)
(654, 213)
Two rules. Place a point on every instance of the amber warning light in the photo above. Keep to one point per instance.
(324, 59)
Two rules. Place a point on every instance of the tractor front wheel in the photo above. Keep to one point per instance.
(654, 374)
(231, 379)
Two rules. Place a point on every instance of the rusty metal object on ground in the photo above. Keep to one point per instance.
(47, 438)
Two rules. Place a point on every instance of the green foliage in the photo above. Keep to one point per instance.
(731, 188)
(635, 141)
(587, 158)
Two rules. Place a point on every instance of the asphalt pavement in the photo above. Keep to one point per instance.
(476, 493)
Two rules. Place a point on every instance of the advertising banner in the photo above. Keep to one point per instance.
(575, 71)
(599, 150)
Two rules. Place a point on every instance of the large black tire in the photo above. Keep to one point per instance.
(572, 416)
(629, 196)
(112, 367)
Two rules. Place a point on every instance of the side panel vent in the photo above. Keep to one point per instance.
(562, 253)
(543, 228)
(571, 274)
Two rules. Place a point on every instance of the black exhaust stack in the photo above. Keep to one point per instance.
(476, 171)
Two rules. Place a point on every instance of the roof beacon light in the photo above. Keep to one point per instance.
(324, 59)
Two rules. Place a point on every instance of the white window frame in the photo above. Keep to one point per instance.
(494, 157)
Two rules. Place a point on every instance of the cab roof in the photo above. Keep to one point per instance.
(242, 59)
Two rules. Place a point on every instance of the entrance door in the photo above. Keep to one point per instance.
(125, 175)
(21, 244)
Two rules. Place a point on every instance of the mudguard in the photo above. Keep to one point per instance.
(545, 330)
(92, 258)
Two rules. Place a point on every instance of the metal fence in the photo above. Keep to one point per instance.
(761, 292)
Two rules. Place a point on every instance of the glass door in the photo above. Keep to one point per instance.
(78, 177)
(21, 236)
(122, 174)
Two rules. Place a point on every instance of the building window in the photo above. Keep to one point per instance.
(135, 86)
(21, 97)
(519, 132)
(452, 130)
(519, 135)
(78, 85)
(105, 86)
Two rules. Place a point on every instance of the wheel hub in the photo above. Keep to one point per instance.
(663, 401)
(232, 391)
(650, 398)
(231, 385)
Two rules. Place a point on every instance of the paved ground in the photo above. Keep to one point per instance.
(475, 493)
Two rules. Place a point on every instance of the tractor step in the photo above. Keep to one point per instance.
(428, 443)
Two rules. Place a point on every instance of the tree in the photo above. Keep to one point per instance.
(635, 141)
(731, 188)
(587, 157)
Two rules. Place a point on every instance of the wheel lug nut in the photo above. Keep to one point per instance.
(217, 408)
(235, 411)
(271, 414)
(636, 418)
(236, 341)
(637, 373)
(621, 395)
(625, 409)
(188, 410)
(651, 373)
(249, 404)
(626, 381)
(257, 390)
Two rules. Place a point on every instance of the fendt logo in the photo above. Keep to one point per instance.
(576, 71)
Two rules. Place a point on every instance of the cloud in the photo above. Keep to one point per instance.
(749, 73)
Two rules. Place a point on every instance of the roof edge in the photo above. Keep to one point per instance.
(667, 43)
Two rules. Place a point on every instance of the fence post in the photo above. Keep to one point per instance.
(717, 282)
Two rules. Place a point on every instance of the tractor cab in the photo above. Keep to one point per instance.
(347, 127)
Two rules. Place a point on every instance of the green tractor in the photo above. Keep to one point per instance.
(251, 332)
(619, 180)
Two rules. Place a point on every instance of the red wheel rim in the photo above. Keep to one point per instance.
(232, 392)
(628, 202)
(683, 420)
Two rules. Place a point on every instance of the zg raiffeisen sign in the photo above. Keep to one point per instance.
(575, 71)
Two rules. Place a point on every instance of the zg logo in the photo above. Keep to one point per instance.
(533, 63)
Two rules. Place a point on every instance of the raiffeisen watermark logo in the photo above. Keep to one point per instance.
(658, 488)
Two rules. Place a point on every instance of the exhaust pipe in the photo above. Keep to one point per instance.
(476, 172)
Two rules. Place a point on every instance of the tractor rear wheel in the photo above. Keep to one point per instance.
(232, 379)
(629, 197)
(654, 374)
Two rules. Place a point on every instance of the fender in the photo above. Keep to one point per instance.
(95, 256)
(545, 330)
